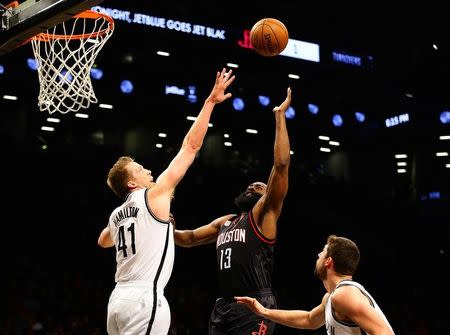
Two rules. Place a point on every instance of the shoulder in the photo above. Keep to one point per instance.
(325, 299)
(220, 221)
(348, 298)
(345, 292)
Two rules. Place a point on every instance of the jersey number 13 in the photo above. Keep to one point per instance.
(225, 258)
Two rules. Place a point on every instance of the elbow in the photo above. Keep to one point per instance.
(104, 243)
(282, 164)
(192, 146)
(183, 244)
(101, 244)
(184, 239)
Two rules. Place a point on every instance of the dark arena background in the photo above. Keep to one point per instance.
(369, 82)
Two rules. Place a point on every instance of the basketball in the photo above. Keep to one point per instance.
(269, 37)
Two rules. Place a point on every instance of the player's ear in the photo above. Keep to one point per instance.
(131, 184)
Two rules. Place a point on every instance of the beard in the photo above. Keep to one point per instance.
(245, 201)
(320, 272)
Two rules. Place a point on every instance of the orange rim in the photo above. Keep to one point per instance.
(13, 4)
(87, 14)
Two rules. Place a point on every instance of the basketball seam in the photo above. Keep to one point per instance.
(276, 39)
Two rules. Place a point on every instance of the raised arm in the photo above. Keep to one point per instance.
(313, 319)
(194, 138)
(268, 208)
(167, 181)
(201, 235)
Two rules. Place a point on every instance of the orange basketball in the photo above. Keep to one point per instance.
(269, 37)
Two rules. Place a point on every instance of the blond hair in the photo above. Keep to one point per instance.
(118, 176)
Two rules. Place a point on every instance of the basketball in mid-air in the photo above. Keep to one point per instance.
(269, 37)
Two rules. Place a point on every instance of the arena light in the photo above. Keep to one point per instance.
(226, 135)
(96, 73)
(337, 120)
(2, 69)
(401, 170)
(442, 154)
(159, 145)
(263, 100)
(402, 164)
(65, 76)
(238, 104)
(324, 138)
(334, 143)
(53, 119)
(434, 195)
(227, 144)
(324, 149)
(290, 113)
(444, 137)
(81, 115)
(235, 66)
(163, 53)
(401, 156)
(9, 97)
(293, 76)
(32, 64)
(106, 106)
(162, 135)
(46, 128)
(126, 86)
(360, 117)
(251, 131)
(445, 117)
(313, 109)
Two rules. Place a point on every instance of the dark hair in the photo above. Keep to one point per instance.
(118, 176)
(345, 254)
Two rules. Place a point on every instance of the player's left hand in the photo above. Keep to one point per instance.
(286, 103)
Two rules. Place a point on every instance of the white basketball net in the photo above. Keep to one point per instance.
(65, 55)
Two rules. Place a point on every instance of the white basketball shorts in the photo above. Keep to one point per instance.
(132, 310)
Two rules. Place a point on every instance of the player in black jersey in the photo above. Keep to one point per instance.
(245, 244)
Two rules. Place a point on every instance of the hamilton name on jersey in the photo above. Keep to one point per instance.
(127, 212)
(235, 235)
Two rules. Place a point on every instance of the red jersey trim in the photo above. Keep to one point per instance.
(257, 232)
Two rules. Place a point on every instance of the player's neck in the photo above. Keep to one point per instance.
(333, 280)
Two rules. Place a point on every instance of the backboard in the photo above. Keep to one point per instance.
(20, 22)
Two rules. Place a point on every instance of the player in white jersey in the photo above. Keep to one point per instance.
(346, 309)
(142, 232)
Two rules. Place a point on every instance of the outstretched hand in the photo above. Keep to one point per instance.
(223, 80)
(252, 304)
(286, 103)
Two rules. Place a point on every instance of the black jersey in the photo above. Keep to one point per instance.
(244, 257)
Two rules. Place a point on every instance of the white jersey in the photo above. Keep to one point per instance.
(144, 244)
(337, 327)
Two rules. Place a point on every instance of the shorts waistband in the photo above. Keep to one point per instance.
(137, 283)
(255, 294)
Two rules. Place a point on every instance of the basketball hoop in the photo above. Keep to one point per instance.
(65, 56)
